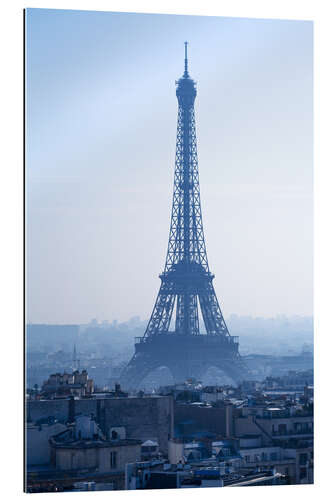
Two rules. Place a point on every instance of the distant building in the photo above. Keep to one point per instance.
(41, 337)
(68, 384)
(118, 393)
(213, 394)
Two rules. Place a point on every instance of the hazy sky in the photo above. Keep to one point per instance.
(101, 130)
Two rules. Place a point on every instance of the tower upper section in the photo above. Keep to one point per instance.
(186, 87)
(186, 277)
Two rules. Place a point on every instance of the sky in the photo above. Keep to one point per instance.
(101, 115)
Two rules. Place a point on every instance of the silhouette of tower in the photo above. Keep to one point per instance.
(186, 280)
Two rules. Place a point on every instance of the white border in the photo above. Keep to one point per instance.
(12, 226)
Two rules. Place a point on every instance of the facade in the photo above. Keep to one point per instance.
(97, 455)
(68, 384)
(220, 450)
(191, 418)
(78, 453)
(295, 463)
(276, 428)
(37, 441)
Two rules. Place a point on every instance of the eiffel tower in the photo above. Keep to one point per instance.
(186, 280)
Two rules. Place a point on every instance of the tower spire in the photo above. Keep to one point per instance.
(186, 61)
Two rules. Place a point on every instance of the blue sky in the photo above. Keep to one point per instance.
(101, 129)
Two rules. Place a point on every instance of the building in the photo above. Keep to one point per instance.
(68, 384)
(277, 435)
(81, 453)
(142, 417)
(274, 427)
(94, 452)
(212, 448)
(274, 424)
(162, 475)
(37, 440)
(193, 418)
(41, 336)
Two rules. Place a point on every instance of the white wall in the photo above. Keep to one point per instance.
(175, 452)
(37, 442)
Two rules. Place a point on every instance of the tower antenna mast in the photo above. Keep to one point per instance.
(186, 75)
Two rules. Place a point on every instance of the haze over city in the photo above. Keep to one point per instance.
(100, 158)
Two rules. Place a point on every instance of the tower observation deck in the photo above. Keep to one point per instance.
(186, 281)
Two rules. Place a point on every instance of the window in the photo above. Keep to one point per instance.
(113, 459)
(303, 457)
(282, 429)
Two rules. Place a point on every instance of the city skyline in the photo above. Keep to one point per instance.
(81, 126)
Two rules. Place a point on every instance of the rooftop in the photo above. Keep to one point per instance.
(94, 443)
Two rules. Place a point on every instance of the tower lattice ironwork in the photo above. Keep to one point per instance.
(186, 280)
